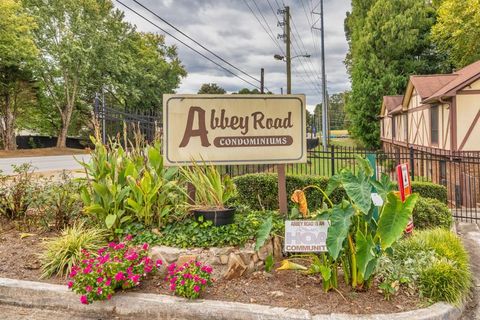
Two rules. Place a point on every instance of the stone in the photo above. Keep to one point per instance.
(223, 259)
(255, 258)
(235, 268)
(247, 256)
(250, 268)
(221, 251)
(277, 247)
(167, 254)
(266, 250)
(276, 294)
(185, 258)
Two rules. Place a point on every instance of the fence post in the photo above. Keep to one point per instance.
(412, 163)
(332, 158)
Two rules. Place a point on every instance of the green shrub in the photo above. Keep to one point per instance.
(431, 213)
(433, 261)
(63, 252)
(194, 233)
(260, 191)
(430, 190)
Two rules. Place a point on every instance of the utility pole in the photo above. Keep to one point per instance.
(287, 50)
(325, 130)
(262, 81)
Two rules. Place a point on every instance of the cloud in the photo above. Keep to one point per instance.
(229, 29)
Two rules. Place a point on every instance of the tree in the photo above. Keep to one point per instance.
(337, 118)
(17, 56)
(248, 91)
(457, 31)
(211, 88)
(388, 41)
(85, 45)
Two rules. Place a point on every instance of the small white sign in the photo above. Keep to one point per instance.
(377, 200)
(306, 235)
(405, 175)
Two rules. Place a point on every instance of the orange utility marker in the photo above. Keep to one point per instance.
(405, 188)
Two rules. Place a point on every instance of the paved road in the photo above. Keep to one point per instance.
(46, 163)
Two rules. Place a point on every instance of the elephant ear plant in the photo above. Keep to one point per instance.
(357, 236)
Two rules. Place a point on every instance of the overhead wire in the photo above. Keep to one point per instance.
(195, 41)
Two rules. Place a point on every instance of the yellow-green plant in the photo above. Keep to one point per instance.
(125, 186)
(212, 190)
(63, 252)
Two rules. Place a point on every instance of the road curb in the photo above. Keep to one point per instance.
(155, 306)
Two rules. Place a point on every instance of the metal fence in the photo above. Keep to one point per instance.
(459, 172)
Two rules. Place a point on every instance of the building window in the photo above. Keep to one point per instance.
(434, 125)
(393, 127)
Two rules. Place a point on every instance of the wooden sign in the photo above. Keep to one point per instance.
(234, 129)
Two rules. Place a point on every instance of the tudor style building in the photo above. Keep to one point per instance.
(439, 116)
(439, 112)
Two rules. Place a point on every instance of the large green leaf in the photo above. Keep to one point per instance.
(263, 233)
(340, 221)
(394, 218)
(365, 251)
(110, 220)
(358, 189)
(383, 186)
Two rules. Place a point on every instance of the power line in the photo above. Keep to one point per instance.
(195, 41)
(265, 29)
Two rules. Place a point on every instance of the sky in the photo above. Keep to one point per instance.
(230, 29)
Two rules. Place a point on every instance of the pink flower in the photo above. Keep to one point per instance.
(119, 246)
(135, 278)
(108, 282)
(99, 290)
(147, 269)
(83, 299)
(73, 273)
(70, 284)
(99, 280)
(203, 281)
(103, 259)
(182, 282)
(112, 245)
(87, 270)
(109, 296)
(101, 251)
(88, 288)
(198, 264)
(132, 255)
(128, 237)
(196, 288)
(145, 246)
(173, 286)
(158, 263)
(171, 267)
(119, 276)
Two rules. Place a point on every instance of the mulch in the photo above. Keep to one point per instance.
(19, 259)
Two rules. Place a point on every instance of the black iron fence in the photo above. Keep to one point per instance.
(459, 172)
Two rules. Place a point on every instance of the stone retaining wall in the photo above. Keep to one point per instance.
(227, 262)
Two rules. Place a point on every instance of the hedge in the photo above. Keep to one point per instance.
(260, 190)
(430, 190)
(431, 213)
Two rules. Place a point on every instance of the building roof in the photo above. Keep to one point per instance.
(428, 84)
(391, 102)
(462, 78)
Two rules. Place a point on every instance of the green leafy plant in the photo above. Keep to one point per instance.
(431, 213)
(65, 251)
(17, 193)
(269, 263)
(190, 279)
(212, 190)
(117, 266)
(433, 262)
(125, 187)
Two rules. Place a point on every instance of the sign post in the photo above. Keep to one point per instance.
(235, 130)
(405, 188)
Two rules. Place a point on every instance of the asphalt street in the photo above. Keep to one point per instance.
(45, 163)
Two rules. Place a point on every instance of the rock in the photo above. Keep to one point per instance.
(277, 248)
(167, 254)
(276, 294)
(185, 258)
(247, 256)
(255, 258)
(223, 259)
(235, 268)
(221, 251)
(250, 268)
(265, 250)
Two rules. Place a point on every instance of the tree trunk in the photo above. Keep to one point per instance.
(62, 133)
(8, 134)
